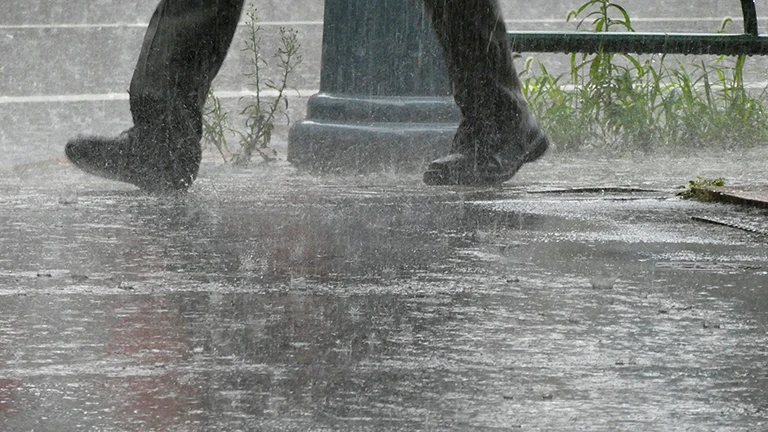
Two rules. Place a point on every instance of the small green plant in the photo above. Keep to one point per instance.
(261, 111)
(701, 189)
(601, 17)
(216, 124)
(624, 102)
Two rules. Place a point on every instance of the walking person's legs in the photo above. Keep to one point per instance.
(497, 134)
(184, 47)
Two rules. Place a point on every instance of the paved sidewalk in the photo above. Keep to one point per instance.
(583, 295)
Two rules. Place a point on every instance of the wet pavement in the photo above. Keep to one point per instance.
(583, 295)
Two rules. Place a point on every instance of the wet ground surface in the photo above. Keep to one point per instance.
(583, 295)
(269, 299)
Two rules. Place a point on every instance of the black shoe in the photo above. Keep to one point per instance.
(125, 159)
(480, 167)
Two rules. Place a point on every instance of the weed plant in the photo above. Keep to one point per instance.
(260, 111)
(623, 102)
(701, 189)
(216, 125)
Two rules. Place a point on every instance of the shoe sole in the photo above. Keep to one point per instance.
(444, 176)
(169, 179)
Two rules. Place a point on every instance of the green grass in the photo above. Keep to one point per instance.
(623, 102)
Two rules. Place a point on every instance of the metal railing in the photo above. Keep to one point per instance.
(748, 43)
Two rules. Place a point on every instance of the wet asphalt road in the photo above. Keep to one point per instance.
(270, 299)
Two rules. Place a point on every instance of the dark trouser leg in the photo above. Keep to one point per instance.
(485, 85)
(184, 47)
(474, 40)
(183, 50)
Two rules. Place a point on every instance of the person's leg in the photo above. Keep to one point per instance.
(497, 134)
(184, 47)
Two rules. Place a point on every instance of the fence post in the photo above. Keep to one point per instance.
(384, 94)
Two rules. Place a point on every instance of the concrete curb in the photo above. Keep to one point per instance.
(753, 197)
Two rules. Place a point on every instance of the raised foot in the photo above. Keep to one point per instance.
(479, 169)
(121, 159)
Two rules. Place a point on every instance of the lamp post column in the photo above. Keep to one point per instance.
(385, 99)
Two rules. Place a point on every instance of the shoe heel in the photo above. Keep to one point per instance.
(539, 150)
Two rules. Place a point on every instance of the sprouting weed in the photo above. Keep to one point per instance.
(216, 125)
(262, 109)
(701, 189)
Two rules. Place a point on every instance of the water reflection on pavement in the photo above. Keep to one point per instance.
(300, 304)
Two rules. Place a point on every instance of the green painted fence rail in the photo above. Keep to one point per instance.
(748, 43)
